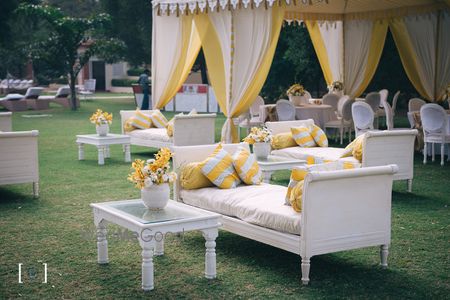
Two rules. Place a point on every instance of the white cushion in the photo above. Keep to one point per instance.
(323, 153)
(154, 134)
(261, 205)
(13, 97)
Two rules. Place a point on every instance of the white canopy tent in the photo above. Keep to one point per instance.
(239, 40)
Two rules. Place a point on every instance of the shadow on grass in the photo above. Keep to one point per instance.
(10, 196)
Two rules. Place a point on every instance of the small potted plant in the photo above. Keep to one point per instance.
(260, 138)
(337, 87)
(102, 120)
(296, 94)
(152, 177)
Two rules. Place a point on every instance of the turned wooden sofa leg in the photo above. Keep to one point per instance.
(36, 189)
(305, 270)
(409, 185)
(384, 252)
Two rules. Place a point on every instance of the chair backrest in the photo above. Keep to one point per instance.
(415, 104)
(63, 92)
(285, 110)
(254, 109)
(346, 110)
(363, 116)
(89, 85)
(307, 95)
(33, 92)
(340, 105)
(332, 100)
(383, 96)
(394, 102)
(373, 99)
(389, 115)
(434, 119)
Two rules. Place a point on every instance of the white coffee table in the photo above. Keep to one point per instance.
(102, 143)
(151, 227)
(275, 163)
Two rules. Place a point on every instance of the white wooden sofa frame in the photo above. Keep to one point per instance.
(379, 147)
(19, 158)
(329, 200)
(6, 121)
(187, 130)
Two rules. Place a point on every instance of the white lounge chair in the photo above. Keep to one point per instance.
(19, 102)
(88, 88)
(61, 97)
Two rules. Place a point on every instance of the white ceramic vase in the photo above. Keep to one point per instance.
(261, 150)
(338, 93)
(102, 129)
(156, 197)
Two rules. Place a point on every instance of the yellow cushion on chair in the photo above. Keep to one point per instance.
(319, 136)
(283, 140)
(302, 136)
(355, 148)
(218, 168)
(140, 120)
(192, 178)
(247, 167)
(158, 119)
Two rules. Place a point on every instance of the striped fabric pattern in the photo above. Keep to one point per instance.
(319, 136)
(218, 168)
(158, 119)
(302, 137)
(140, 120)
(295, 188)
(247, 167)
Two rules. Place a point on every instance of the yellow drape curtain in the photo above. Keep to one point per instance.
(407, 55)
(189, 46)
(213, 52)
(321, 51)
(379, 31)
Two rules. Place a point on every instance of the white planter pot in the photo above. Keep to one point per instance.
(261, 150)
(298, 100)
(338, 93)
(102, 129)
(156, 197)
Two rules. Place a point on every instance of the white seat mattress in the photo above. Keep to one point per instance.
(261, 205)
(154, 134)
(325, 153)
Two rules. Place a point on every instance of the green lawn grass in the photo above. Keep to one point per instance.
(57, 229)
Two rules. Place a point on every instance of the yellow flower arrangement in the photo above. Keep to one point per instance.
(101, 117)
(153, 171)
(296, 90)
(447, 93)
(336, 86)
(258, 135)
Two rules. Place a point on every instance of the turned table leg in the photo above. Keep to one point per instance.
(210, 236)
(147, 268)
(80, 151)
(101, 155)
(127, 152)
(266, 176)
(102, 243)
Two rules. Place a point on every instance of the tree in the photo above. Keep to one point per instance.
(67, 36)
(132, 23)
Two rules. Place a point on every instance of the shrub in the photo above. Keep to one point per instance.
(135, 71)
(122, 82)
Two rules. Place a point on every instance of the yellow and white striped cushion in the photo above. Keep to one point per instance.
(140, 120)
(246, 166)
(319, 136)
(302, 136)
(158, 119)
(218, 168)
(297, 174)
(169, 126)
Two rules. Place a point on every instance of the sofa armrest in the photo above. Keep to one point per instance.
(6, 121)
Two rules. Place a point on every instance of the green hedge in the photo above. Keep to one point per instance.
(135, 72)
(122, 82)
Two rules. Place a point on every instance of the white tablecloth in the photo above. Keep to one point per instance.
(319, 113)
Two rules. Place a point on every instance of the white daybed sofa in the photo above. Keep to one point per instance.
(187, 130)
(19, 158)
(341, 210)
(379, 148)
(6, 121)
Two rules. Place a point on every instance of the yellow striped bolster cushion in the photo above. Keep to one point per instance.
(314, 160)
(127, 127)
(246, 166)
(158, 119)
(141, 120)
(302, 136)
(283, 140)
(319, 136)
(297, 174)
(218, 168)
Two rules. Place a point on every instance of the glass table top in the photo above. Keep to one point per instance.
(137, 211)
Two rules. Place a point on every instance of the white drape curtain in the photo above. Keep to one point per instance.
(332, 37)
(443, 63)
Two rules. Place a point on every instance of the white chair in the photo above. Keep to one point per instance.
(252, 118)
(307, 95)
(363, 117)
(61, 97)
(285, 110)
(435, 129)
(414, 105)
(88, 88)
(332, 100)
(344, 121)
(394, 102)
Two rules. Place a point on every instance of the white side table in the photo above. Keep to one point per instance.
(151, 227)
(275, 163)
(102, 143)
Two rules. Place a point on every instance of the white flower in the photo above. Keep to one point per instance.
(145, 170)
(165, 177)
(149, 161)
(148, 182)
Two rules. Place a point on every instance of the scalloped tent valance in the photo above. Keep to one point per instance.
(308, 9)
